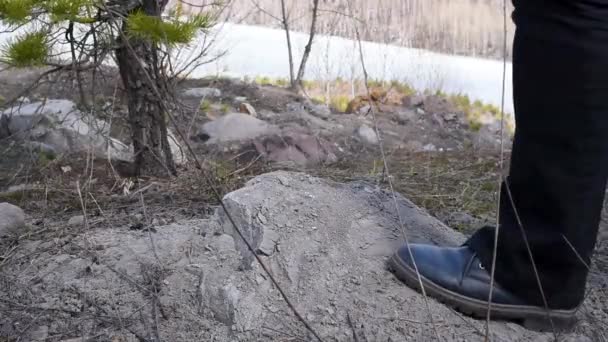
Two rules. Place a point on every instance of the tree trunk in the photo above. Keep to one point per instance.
(285, 23)
(308, 48)
(141, 72)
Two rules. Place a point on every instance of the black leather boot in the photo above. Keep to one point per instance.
(456, 277)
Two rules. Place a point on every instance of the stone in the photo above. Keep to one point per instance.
(267, 115)
(269, 242)
(405, 117)
(23, 100)
(420, 111)
(462, 220)
(449, 117)
(414, 146)
(417, 100)
(240, 99)
(247, 108)
(234, 127)
(295, 148)
(205, 92)
(41, 333)
(320, 110)
(58, 126)
(76, 221)
(368, 135)
(295, 107)
(12, 219)
(365, 109)
(429, 148)
(331, 239)
(223, 243)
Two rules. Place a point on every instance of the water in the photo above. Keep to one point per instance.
(258, 51)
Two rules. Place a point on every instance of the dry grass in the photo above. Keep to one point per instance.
(444, 183)
(465, 27)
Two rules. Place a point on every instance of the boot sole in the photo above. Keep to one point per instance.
(532, 317)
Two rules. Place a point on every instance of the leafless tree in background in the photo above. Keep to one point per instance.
(464, 27)
(285, 21)
(308, 48)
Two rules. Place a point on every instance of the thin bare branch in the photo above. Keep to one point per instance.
(389, 178)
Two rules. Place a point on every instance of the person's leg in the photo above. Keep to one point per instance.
(558, 172)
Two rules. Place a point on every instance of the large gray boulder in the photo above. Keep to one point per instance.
(12, 219)
(58, 126)
(325, 243)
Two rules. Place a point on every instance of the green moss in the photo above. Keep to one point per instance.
(462, 101)
(319, 99)
(30, 49)
(225, 108)
(403, 88)
(205, 106)
(340, 103)
(307, 84)
(373, 83)
(263, 80)
(281, 82)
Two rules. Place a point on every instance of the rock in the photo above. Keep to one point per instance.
(414, 146)
(438, 104)
(76, 221)
(295, 148)
(234, 127)
(223, 243)
(429, 148)
(462, 220)
(331, 243)
(367, 134)
(417, 100)
(393, 97)
(57, 126)
(240, 99)
(267, 115)
(40, 147)
(203, 92)
(420, 111)
(320, 110)
(246, 108)
(365, 109)
(356, 104)
(12, 219)
(41, 333)
(269, 242)
(23, 100)
(405, 117)
(295, 107)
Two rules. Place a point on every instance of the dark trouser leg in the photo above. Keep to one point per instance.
(558, 171)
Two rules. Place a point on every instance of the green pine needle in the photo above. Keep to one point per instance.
(67, 9)
(170, 32)
(30, 49)
(15, 12)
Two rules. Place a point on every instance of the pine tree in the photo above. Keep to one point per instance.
(137, 32)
